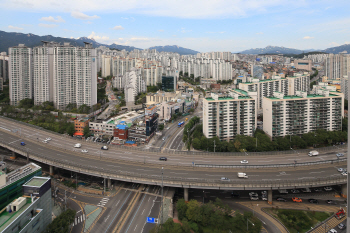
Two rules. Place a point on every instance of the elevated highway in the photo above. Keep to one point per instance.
(278, 171)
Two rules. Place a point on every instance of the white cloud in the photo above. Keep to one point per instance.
(307, 37)
(47, 25)
(53, 20)
(167, 8)
(80, 15)
(118, 28)
(14, 27)
(259, 33)
(102, 39)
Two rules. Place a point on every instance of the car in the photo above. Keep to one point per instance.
(295, 191)
(341, 226)
(163, 139)
(318, 190)
(264, 197)
(163, 158)
(280, 199)
(244, 161)
(104, 148)
(332, 231)
(84, 151)
(344, 173)
(340, 155)
(253, 194)
(328, 188)
(264, 193)
(225, 179)
(48, 139)
(297, 199)
(313, 201)
(253, 198)
(331, 202)
(45, 141)
(340, 169)
(23, 144)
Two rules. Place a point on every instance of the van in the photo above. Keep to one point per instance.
(313, 153)
(78, 145)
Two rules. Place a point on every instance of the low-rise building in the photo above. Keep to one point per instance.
(79, 125)
(302, 113)
(161, 96)
(303, 64)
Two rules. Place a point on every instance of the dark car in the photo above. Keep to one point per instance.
(163, 159)
(281, 199)
(313, 201)
(235, 194)
(341, 226)
(331, 202)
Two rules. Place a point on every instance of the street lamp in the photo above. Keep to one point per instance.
(161, 216)
(250, 222)
(76, 180)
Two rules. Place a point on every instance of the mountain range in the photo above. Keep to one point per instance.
(283, 50)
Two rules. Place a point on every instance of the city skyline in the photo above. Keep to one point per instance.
(221, 26)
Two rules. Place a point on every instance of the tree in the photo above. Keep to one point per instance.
(70, 129)
(193, 212)
(26, 103)
(86, 131)
(160, 127)
(181, 207)
(62, 223)
(196, 143)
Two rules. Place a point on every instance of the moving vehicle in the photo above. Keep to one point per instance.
(332, 231)
(244, 161)
(331, 202)
(280, 199)
(340, 169)
(225, 179)
(340, 214)
(84, 151)
(313, 201)
(45, 141)
(180, 123)
(328, 188)
(344, 173)
(78, 145)
(163, 159)
(297, 199)
(48, 139)
(295, 191)
(340, 155)
(341, 226)
(104, 148)
(23, 144)
(318, 190)
(306, 190)
(242, 175)
(313, 153)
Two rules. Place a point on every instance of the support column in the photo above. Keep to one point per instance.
(27, 157)
(109, 183)
(186, 194)
(13, 156)
(269, 196)
(344, 190)
(51, 170)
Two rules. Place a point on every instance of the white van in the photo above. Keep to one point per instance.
(78, 145)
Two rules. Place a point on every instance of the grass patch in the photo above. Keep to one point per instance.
(298, 221)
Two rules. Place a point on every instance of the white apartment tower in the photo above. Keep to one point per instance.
(134, 84)
(302, 113)
(337, 65)
(228, 116)
(20, 73)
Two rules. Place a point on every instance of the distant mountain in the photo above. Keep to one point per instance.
(174, 49)
(272, 49)
(345, 48)
(9, 39)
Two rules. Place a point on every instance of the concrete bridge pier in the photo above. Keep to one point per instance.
(344, 190)
(109, 184)
(186, 194)
(269, 196)
(13, 156)
(51, 170)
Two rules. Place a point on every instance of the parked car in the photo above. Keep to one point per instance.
(225, 179)
(313, 201)
(253, 194)
(45, 141)
(280, 199)
(318, 190)
(163, 158)
(295, 191)
(297, 199)
(244, 161)
(344, 173)
(253, 198)
(233, 194)
(331, 202)
(341, 226)
(332, 231)
(340, 169)
(328, 188)
(263, 192)
(340, 155)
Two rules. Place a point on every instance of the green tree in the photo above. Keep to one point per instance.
(193, 212)
(26, 103)
(70, 129)
(196, 143)
(62, 223)
(181, 207)
(86, 131)
(160, 127)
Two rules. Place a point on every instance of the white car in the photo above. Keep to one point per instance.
(244, 161)
(332, 231)
(344, 173)
(84, 151)
(225, 179)
(253, 194)
(45, 141)
(48, 139)
(328, 188)
(340, 169)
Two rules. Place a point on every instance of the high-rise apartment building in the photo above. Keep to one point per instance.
(134, 84)
(4, 66)
(337, 65)
(231, 115)
(345, 85)
(20, 73)
(301, 113)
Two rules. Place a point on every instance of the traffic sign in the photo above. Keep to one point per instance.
(152, 220)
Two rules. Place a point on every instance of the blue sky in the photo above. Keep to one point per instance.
(202, 25)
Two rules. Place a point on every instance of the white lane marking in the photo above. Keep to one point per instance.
(143, 211)
(78, 211)
(135, 227)
(117, 203)
(316, 172)
(178, 173)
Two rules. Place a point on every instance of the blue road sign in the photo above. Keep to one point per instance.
(151, 220)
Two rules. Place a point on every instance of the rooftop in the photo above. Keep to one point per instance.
(241, 91)
(37, 181)
(7, 218)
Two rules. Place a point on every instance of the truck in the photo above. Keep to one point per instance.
(180, 123)
(78, 145)
(340, 214)
(313, 153)
(242, 175)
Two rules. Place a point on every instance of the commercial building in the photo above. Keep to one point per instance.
(301, 113)
(11, 183)
(161, 96)
(303, 64)
(30, 213)
(20, 73)
(230, 115)
(79, 125)
(168, 83)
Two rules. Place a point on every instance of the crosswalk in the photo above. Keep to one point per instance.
(79, 219)
(103, 202)
(331, 223)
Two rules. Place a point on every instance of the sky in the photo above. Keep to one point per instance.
(201, 25)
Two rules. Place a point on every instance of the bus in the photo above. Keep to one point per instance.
(180, 123)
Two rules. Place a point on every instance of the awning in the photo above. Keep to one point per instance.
(78, 134)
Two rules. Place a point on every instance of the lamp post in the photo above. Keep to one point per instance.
(250, 222)
(161, 216)
(214, 145)
(76, 180)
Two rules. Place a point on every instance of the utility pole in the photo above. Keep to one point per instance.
(65, 200)
(161, 216)
(104, 186)
(214, 146)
